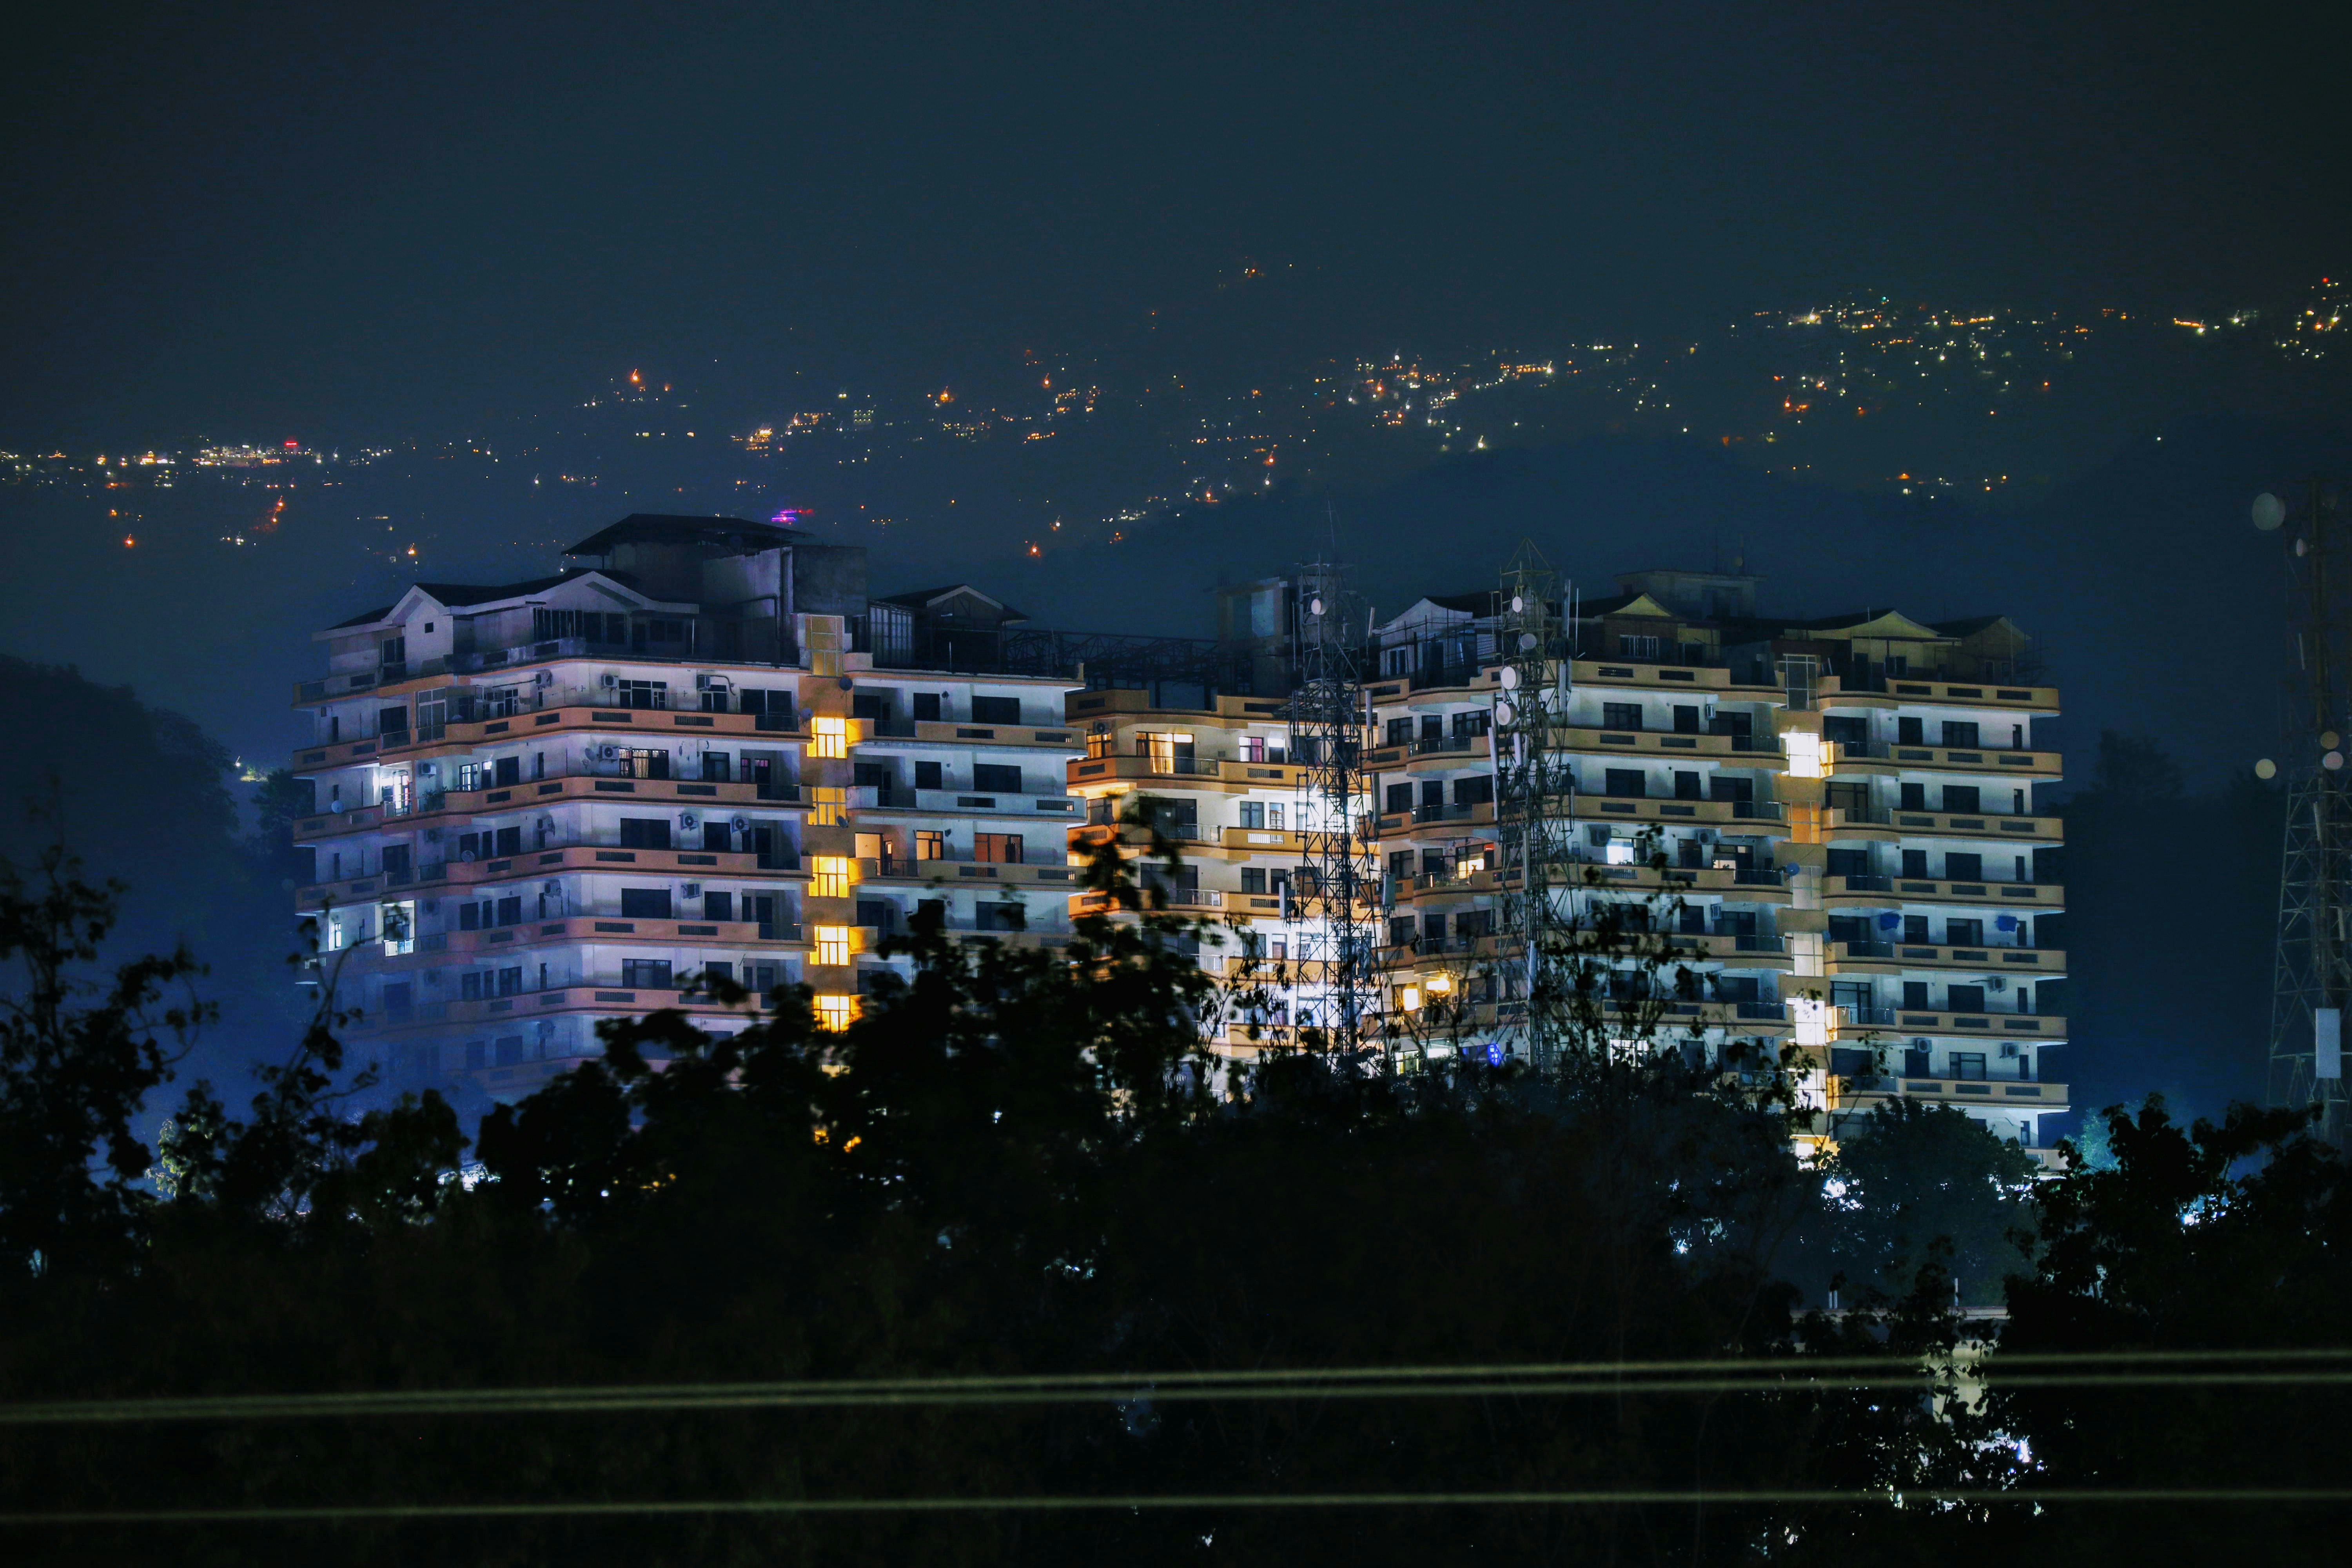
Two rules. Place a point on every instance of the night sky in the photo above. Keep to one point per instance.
(386, 218)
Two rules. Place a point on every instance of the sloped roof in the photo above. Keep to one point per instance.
(1895, 622)
(656, 527)
(1971, 623)
(924, 598)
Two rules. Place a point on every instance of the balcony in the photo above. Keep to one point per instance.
(945, 732)
(460, 874)
(1860, 1092)
(1736, 751)
(1855, 822)
(1930, 687)
(579, 711)
(1145, 772)
(1666, 809)
(1888, 957)
(1886, 757)
(950, 801)
(1875, 890)
(960, 868)
(1849, 1022)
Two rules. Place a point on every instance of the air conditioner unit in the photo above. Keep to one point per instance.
(2009, 1050)
(543, 677)
(465, 854)
(552, 888)
(688, 821)
(1997, 981)
(740, 824)
(689, 890)
(711, 683)
(611, 679)
(431, 835)
(612, 754)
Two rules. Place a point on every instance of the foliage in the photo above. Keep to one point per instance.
(1023, 1161)
(1916, 1173)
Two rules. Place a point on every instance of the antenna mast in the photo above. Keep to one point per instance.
(1336, 885)
(1533, 834)
(2314, 971)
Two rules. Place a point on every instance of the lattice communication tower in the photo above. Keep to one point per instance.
(1337, 883)
(2313, 980)
(1534, 784)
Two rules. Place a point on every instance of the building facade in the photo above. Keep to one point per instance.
(1854, 858)
(701, 751)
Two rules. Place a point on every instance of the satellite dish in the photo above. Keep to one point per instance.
(2302, 547)
(1504, 713)
(1509, 678)
(2329, 739)
(2333, 761)
(1527, 642)
(1314, 605)
(2269, 511)
(2266, 769)
(1518, 604)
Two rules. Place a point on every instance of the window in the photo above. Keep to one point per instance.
(1253, 748)
(926, 706)
(929, 775)
(643, 693)
(1960, 868)
(1474, 790)
(1968, 1065)
(1626, 781)
(1964, 933)
(1005, 916)
(473, 985)
(1400, 732)
(834, 1012)
(394, 651)
(645, 904)
(833, 946)
(1685, 719)
(996, 710)
(510, 980)
(391, 721)
(931, 844)
(829, 737)
(644, 833)
(718, 767)
(1959, 732)
(718, 906)
(399, 923)
(667, 629)
(828, 806)
(1171, 751)
(638, 763)
(1630, 646)
(1253, 813)
(1398, 797)
(995, 778)
(1621, 715)
(999, 848)
(646, 973)
(1961, 797)
(829, 877)
(1253, 879)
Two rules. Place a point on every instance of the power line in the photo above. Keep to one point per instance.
(2244, 1368)
(350, 1513)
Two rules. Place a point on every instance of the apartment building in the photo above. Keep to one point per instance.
(1855, 861)
(699, 750)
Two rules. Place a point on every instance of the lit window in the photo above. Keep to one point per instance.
(830, 737)
(832, 945)
(829, 878)
(834, 1013)
(399, 927)
(931, 844)
(828, 806)
(1409, 997)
